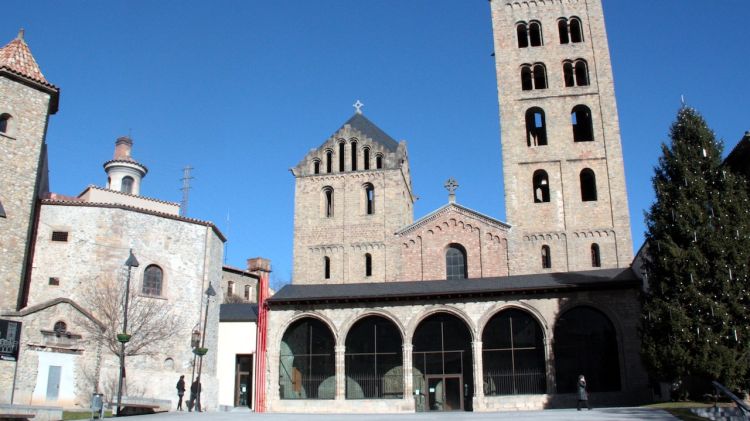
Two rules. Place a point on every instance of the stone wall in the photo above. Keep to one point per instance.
(563, 159)
(620, 306)
(21, 150)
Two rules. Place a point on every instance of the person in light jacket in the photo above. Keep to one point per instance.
(180, 391)
(583, 394)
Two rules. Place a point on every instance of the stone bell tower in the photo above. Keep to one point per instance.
(562, 159)
(27, 100)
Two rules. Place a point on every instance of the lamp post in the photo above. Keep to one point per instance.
(123, 337)
(210, 292)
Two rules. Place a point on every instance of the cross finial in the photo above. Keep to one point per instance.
(451, 185)
(20, 34)
(358, 106)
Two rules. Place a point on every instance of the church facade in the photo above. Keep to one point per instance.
(458, 310)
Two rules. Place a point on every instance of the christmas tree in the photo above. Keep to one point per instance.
(695, 321)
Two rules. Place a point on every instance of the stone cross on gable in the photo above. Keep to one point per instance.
(358, 106)
(451, 185)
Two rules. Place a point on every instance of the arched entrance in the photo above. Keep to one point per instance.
(513, 355)
(442, 364)
(307, 368)
(586, 343)
(374, 360)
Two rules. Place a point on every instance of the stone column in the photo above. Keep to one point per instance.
(408, 379)
(340, 372)
(478, 399)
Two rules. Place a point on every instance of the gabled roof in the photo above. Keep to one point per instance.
(51, 303)
(460, 209)
(360, 123)
(16, 56)
(457, 288)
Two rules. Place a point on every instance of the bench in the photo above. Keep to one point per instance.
(15, 417)
(138, 409)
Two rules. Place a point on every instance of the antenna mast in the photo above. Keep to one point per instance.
(185, 189)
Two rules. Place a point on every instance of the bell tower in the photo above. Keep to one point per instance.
(563, 170)
(27, 100)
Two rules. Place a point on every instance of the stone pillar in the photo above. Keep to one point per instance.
(340, 372)
(408, 378)
(478, 399)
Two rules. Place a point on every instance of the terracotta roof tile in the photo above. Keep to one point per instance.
(17, 57)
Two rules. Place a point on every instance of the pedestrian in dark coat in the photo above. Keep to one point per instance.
(195, 395)
(583, 394)
(180, 391)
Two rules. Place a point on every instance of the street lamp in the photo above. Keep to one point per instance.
(202, 350)
(123, 337)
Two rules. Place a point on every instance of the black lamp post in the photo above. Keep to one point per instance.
(123, 337)
(210, 292)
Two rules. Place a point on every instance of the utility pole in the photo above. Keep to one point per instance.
(185, 189)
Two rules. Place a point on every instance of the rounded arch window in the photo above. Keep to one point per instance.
(126, 185)
(5, 120)
(326, 267)
(513, 355)
(540, 182)
(536, 127)
(455, 262)
(546, 257)
(307, 368)
(329, 161)
(153, 277)
(576, 30)
(596, 258)
(369, 190)
(588, 185)
(366, 157)
(522, 31)
(342, 160)
(368, 264)
(586, 343)
(374, 360)
(328, 201)
(583, 127)
(378, 161)
(316, 166)
(60, 327)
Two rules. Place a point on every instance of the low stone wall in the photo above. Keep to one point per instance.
(41, 413)
(348, 406)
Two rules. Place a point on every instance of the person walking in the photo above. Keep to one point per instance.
(180, 391)
(195, 395)
(583, 394)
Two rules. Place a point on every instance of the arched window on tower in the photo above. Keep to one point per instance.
(354, 155)
(568, 74)
(588, 185)
(152, 280)
(342, 146)
(126, 185)
(546, 257)
(540, 76)
(316, 166)
(326, 267)
(535, 34)
(596, 260)
(536, 130)
(455, 262)
(522, 31)
(562, 29)
(541, 186)
(582, 73)
(583, 128)
(378, 161)
(366, 157)
(527, 79)
(369, 199)
(329, 161)
(5, 123)
(328, 202)
(368, 264)
(576, 31)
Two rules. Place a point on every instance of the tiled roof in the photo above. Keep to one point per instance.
(418, 290)
(459, 208)
(17, 58)
(360, 123)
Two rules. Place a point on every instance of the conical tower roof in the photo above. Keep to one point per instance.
(17, 57)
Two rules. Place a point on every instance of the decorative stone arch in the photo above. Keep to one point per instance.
(302, 315)
(440, 308)
(616, 324)
(519, 305)
(380, 312)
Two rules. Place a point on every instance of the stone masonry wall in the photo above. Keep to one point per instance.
(565, 214)
(20, 153)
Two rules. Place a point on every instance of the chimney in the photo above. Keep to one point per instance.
(123, 146)
(258, 264)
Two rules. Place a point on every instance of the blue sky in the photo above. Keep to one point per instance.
(241, 90)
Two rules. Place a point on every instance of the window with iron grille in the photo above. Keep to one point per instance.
(61, 236)
(152, 280)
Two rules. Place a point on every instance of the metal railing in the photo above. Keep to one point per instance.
(308, 387)
(371, 386)
(517, 382)
(742, 407)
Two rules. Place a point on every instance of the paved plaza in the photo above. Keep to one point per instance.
(604, 414)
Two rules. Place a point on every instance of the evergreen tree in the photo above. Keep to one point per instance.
(695, 320)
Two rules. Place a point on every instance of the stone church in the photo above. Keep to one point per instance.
(457, 310)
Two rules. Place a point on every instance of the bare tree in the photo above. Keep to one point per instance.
(150, 321)
(234, 299)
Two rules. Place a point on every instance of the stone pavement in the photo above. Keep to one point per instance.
(603, 414)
